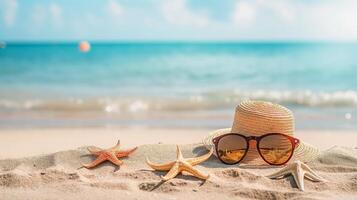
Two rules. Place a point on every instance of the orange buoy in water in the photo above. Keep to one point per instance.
(84, 46)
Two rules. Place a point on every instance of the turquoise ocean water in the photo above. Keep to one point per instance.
(175, 84)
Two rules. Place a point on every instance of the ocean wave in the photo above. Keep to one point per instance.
(303, 98)
(205, 101)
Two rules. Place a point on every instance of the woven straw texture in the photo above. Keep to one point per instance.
(255, 118)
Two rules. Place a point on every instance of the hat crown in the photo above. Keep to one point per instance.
(259, 117)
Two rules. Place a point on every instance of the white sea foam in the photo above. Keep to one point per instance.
(204, 101)
(137, 106)
(112, 108)
(305, 98)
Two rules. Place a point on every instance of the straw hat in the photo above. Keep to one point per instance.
(255, 118)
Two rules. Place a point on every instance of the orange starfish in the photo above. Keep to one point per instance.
(112, 154)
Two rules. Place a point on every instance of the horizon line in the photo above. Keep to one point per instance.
(178, 41)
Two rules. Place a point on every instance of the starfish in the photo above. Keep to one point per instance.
(112, 154)
(181, 164)
(299, 170)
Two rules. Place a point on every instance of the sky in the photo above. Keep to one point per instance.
(176, 20)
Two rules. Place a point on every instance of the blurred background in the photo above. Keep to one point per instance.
(175, 63)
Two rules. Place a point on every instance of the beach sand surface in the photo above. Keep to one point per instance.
(46, 164)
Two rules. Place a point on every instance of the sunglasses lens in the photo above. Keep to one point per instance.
(231, 148)
(276, 149)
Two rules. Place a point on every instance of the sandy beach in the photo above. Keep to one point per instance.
(170, 81)
(46, 164)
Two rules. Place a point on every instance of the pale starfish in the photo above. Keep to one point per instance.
(181, 164)
(299, 170)
(112, 154)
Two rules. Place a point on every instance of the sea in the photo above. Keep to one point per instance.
(175, 84)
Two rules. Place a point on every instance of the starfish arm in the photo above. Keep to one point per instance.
(96, 162)
(116, 147)
(126, 153)
(313, 177)
(298, 175)
(160, 167)
(195, 172)
(178, 153)
(299, 170)
(112, 158)
(200, 159)
(172, 173)
(305, 166)
(310, 174)
(94, 150)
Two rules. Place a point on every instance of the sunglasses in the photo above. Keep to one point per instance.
(274, 148)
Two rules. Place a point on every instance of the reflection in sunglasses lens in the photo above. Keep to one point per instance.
(231, 148)
(276, 149)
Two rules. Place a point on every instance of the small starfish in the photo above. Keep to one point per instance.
(299, 170)
(181, 164)
(112, 154)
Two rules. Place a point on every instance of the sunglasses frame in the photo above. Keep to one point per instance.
(294, 143)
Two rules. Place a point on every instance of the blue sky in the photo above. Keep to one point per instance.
(122, 20)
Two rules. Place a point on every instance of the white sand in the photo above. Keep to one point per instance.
(59, 176)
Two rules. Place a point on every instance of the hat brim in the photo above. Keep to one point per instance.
(303, 152)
